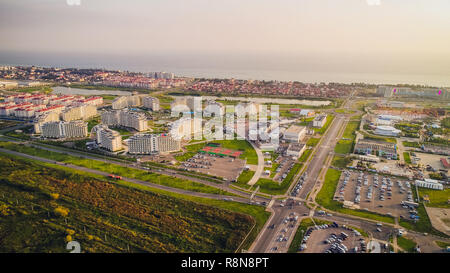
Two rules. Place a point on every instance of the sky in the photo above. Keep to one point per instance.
(397, 36)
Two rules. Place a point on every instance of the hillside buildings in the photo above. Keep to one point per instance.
(125, 118)
(63, 129)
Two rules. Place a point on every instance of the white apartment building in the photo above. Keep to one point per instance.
(185, 127)
(125, 118)
(79, 112)
(47, 117)
(151, 103)
(107, 138)
(62, 129)
(295, 133)
(319, 121)
(126, 101)
(152, 143)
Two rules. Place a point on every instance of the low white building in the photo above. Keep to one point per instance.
(296, 149)
(430, 184)
(387, 131)
(319, 121)
(295, 133)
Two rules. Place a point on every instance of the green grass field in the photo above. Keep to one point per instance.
(340, 161)
(438, 199)
(244, 178)
(406, 244)
(305, 155)
(344, 147)
(271, 187)
(411, 144)
(407, 157)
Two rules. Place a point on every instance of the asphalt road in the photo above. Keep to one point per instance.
(317, 162)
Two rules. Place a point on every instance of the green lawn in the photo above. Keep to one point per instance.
(438, 199)
(305, 155)
(340, 161)
(312, 141)
(343, 147)
(407, 157)
(244, 178)
(406, 244)
(411, 144)
(271, 187)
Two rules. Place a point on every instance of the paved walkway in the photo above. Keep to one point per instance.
(259, 168)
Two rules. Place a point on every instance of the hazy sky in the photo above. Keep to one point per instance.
(407, 36)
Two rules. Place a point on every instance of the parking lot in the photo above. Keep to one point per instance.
(333, 238)
(376, 193)
(286, 164)
(225, 167)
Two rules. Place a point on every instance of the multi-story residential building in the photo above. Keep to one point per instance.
(185, 127)
(79, 112)
(193, 104)
(55, 108)
(125, 118)
(152, 143)
(46, 117)
(167, 144)
(126, 101)
(151, 103)
(319, 121)
(107, 138)
(62, 129)
(295, 133)
(142, 144)
(92, 101)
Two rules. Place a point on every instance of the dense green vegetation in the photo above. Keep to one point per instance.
(116, 169)
(326, 194)
(43, 207)
(271, 187)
